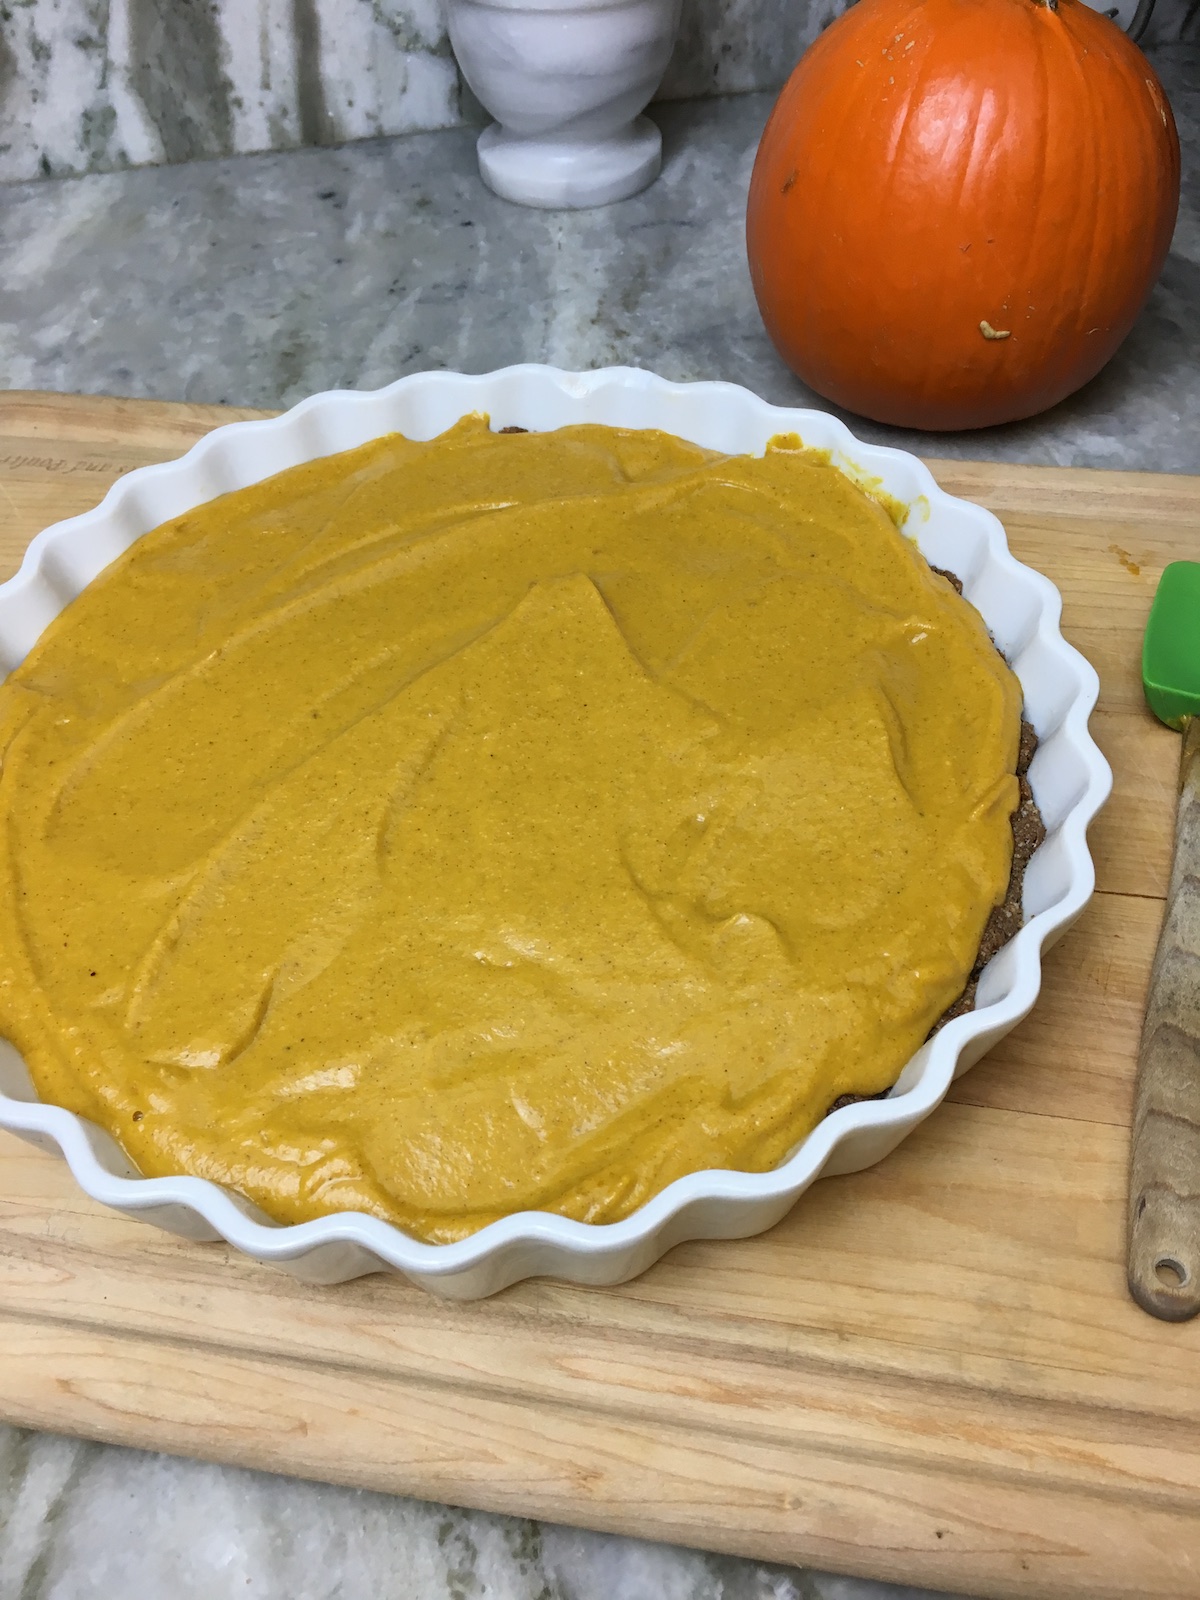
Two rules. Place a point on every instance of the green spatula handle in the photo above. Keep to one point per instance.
(1164, 1172)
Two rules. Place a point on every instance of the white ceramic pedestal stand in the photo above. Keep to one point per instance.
(566, 81)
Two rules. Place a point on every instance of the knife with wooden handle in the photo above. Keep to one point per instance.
(1164, 1170)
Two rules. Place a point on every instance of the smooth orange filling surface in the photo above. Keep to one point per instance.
(440, 830)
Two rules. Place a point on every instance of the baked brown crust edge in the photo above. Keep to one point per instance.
(1028, 831)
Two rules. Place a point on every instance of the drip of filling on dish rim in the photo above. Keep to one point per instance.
(441, 830)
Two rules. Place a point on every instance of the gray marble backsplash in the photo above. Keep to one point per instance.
(96, 85)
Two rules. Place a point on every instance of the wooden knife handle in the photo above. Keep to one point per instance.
(1164, 1167)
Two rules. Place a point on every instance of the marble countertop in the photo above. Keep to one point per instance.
(260, 279)
(256, 281)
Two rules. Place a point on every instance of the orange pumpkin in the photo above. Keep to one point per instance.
(959, 207)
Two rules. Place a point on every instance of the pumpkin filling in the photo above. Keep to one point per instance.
(441, 830)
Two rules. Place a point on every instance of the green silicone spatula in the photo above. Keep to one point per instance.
(1164, 1167)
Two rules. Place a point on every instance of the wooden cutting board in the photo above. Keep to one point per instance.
(929, 1372)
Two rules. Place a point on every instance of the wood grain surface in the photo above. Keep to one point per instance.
(1164, 1175)
(929, 1372)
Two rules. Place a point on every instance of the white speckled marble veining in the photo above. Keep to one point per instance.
(96, 85)
(92, 85)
